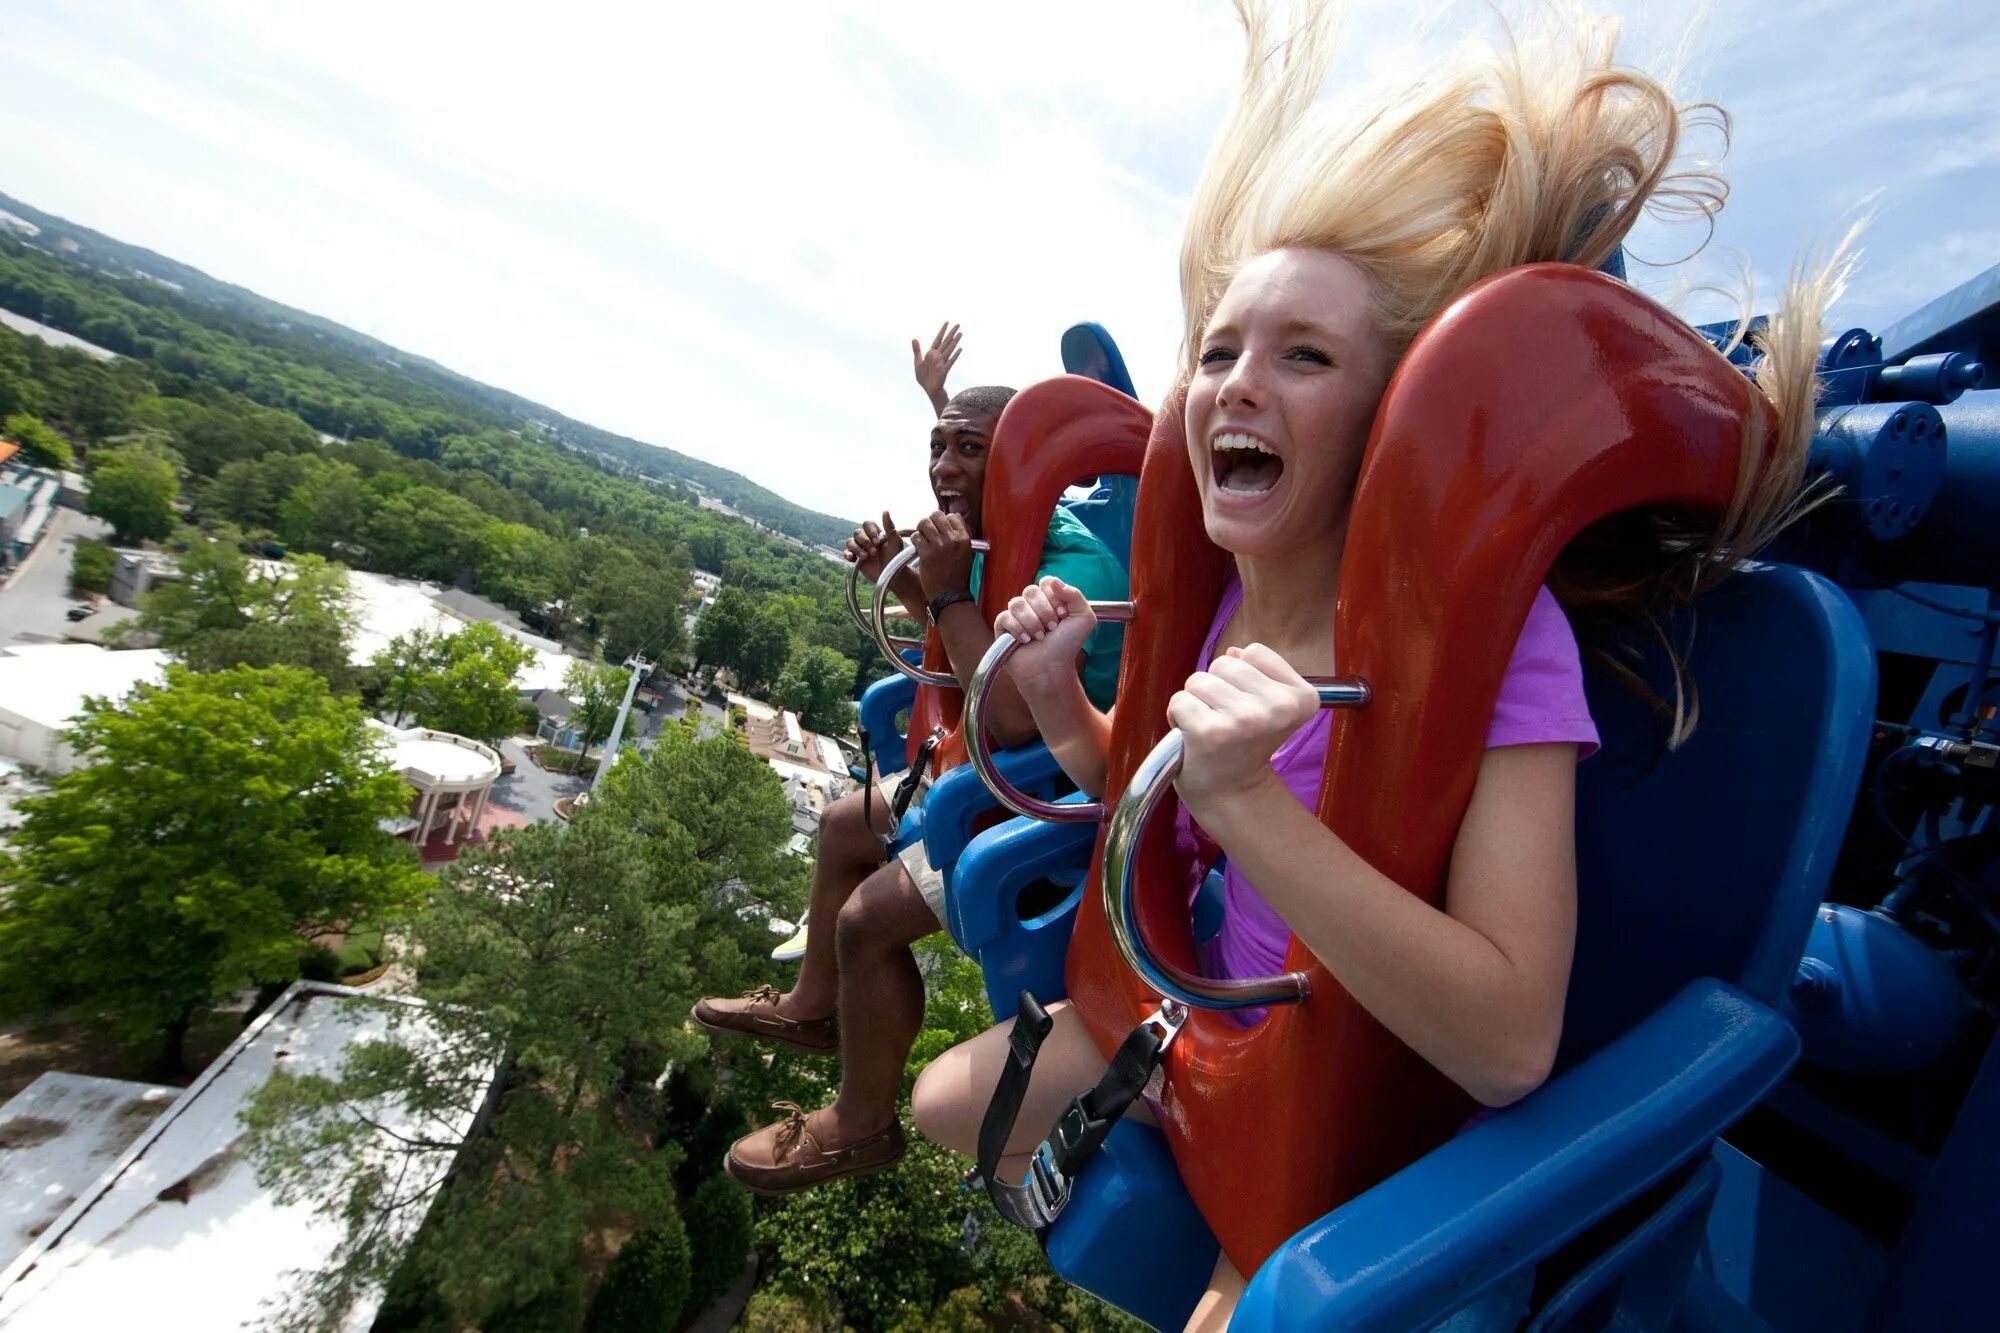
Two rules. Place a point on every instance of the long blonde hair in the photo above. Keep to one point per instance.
(1538, 148)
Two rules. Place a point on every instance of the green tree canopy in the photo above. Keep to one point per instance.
(635, 606)
(519, 565)
(43, 447)
(723, 629)
(767, 646)
(710, 813)
(646, 1285)
(461, 682)
(569, 956)
(20, 389)
(910, 1248)
(816, 686)
(719, 1224)
(424, 532)
(326, 510)
(597, 689)
(134, 482)
(226, 610)
(219, 816)
(91, 566)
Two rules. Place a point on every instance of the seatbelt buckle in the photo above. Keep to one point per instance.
(1166, 1022)
(1047, 1182)
(1069, 1135)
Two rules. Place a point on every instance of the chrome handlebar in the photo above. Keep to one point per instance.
(976, 695)
(1121, 843)
(877, 628)
(892, 646)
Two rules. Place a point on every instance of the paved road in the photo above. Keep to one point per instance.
(531, 790)
(33, 602)
(714, 719)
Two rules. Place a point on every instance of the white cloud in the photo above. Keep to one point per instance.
(717, 228)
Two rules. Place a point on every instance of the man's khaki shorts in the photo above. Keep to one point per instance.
(929, 881)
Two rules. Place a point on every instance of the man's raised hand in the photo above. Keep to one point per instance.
(935, 365)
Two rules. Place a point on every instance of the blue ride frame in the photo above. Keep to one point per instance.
(1609, 1198)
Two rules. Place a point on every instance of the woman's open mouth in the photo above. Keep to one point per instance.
(1243, 464)
(954, 502)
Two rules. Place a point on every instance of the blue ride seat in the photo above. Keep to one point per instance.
(947, 818)
(1087, 350)
(1700, 871)
(882, 704)
(984, 902)
(1699, 874)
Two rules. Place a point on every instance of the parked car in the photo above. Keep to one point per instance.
(80, 610)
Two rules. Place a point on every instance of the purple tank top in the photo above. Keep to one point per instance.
(1541, 701)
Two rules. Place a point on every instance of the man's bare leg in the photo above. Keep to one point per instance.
(849, 851)
(881, 1001)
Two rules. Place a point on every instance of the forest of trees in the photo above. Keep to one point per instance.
(222, 420)
(565, 956)
(397, 375)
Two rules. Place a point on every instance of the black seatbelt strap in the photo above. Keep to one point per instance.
(906, 791)
(1079, 1132)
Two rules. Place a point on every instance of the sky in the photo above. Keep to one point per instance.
(717, 227)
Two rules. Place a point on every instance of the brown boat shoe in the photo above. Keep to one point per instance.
(755, 1014)
(785, 1157)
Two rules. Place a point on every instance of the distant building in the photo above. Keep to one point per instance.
(13, 513)
(385, 608)
(15, 783)
(472, 606)
(174, 1229)
(812, 767)
(450, 778)
(553, 712)
(137, 573)
(84, 1125)
(27, 502)
(754, 709)
(42, 689)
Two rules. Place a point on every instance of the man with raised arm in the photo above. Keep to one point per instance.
(859, 992)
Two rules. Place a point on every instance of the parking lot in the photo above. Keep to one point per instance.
(35, 601)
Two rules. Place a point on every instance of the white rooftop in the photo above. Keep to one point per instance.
(438, 758)
(389, 607)
(755, 708)
(57, 1137)
(47, 683)
(178, 1234)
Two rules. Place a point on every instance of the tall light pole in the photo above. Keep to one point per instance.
(640, 669)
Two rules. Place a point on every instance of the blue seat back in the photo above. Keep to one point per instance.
(1709, 860)
(1088, 350)
(882, 705)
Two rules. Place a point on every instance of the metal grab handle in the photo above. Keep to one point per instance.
(1121, 842)
(1005, 792)
(877, 626)
(895, 644)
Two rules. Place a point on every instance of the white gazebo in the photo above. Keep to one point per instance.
(452, 776)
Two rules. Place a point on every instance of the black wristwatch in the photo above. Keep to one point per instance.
(952, 598)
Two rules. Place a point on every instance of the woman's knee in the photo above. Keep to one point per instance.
(943, 1103)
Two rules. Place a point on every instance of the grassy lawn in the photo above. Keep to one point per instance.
(560, 761)
(362, 952)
